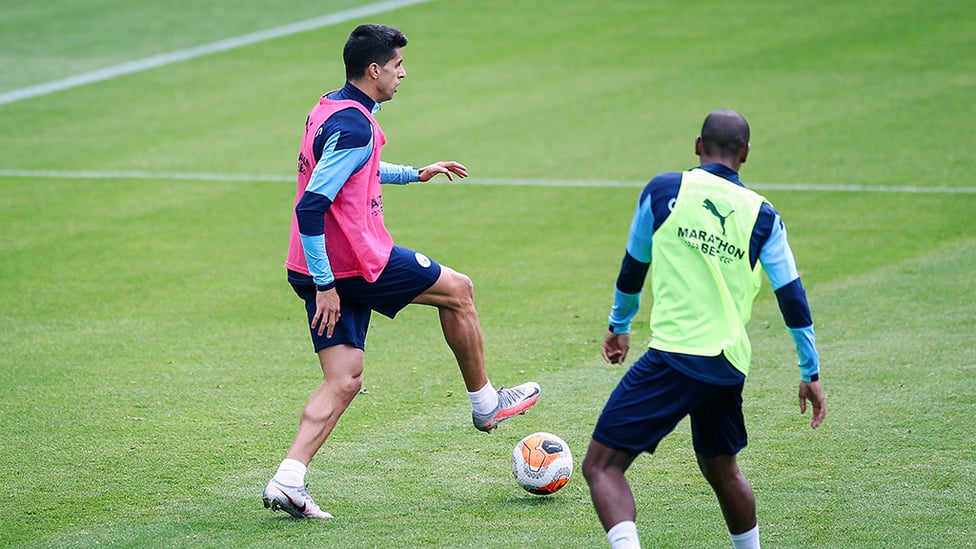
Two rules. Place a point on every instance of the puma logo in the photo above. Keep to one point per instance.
(708, 205)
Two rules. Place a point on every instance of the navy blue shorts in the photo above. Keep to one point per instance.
(653, 397)
(407, 275)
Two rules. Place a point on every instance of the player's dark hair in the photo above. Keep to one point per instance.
(370, 44)
(725, 132)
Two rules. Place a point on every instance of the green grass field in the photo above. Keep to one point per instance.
(153, 361)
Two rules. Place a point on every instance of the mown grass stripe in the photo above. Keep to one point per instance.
(177, 56)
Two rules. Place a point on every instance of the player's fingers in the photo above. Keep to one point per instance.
(452, 167)
(614, 356)
(317, 321)
(331, 321)
(818, 416)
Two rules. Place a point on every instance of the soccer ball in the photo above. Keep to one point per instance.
(542, 463)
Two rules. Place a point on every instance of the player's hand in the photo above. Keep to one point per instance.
(326, 312)
(813, 392)
(450, 169)
(615, 347)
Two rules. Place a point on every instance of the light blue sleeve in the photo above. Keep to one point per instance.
(806, 350)
(777, 257)
(396, 174)
(330, 174)
(317, 260)
(641, 230)
(335, 167)
(625, 307)
(780, 265)
(633, 270)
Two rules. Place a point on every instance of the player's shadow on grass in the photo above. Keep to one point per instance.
(532, 501)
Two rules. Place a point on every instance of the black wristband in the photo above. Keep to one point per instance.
(325, 288)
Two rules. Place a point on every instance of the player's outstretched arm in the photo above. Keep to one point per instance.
(449, 168)
(812, 391)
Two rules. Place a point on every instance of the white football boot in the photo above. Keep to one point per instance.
(511, 402)
(293, 500)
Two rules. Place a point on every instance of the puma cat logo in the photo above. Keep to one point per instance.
(708, 205)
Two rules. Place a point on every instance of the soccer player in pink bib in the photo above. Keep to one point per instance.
(343, 264)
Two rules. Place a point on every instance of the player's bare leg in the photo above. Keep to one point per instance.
(733, 490)
(342, 369)
(603, 469)
(453, 295)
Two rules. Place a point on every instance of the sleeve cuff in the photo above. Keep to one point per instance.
(622, 329)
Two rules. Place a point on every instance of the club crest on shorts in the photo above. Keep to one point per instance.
(422, 260)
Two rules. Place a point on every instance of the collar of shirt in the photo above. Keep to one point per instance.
(352, 93)
(723, 171)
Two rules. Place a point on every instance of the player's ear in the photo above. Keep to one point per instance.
(698, 146)
(373, 71)
(744, 153)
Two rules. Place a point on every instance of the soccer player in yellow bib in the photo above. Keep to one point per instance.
(708, 236)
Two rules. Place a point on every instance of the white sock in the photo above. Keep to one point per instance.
(623, 535)
(484, 400)
(291, 472)
(746, 540)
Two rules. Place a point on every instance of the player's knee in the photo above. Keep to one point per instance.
(464, 287)
(720, 470)
(350, 386)
(591, 468)
(462, 290)
(587, 470)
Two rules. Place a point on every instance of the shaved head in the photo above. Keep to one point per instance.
(724, 133)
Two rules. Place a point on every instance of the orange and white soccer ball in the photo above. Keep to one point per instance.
(542, 463)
